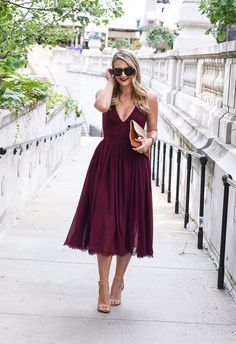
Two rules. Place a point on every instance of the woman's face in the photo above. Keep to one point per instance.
(123, 79)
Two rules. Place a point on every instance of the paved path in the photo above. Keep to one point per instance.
(81, 87)
(48, 292)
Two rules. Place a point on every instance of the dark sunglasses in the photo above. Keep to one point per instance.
(118, 71)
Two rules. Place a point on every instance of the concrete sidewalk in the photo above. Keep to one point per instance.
(48, 293)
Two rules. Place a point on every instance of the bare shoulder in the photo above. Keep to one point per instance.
(152, 102)
(151, 99)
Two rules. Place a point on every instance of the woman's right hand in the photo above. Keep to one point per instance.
(104, 96)
(109, 76)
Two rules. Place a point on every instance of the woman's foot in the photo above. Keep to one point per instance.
(116, 289)
(103, 298)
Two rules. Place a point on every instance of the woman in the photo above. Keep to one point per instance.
(114, 214)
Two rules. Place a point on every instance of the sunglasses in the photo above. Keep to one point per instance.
(118, 71)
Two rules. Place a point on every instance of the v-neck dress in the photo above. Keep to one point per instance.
(114, 215)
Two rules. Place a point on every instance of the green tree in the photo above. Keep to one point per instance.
(23, 23)
(221, 13)
(26, 22)
(121, 44)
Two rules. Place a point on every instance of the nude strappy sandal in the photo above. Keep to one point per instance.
(117, 302)
(103, 307)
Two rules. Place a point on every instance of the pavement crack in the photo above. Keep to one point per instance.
(94, 263)
(121, 319)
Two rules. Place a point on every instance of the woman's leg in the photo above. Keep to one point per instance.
(104, 263)
(118, 281)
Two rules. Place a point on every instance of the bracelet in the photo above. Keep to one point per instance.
(153, 141)
(153, 138)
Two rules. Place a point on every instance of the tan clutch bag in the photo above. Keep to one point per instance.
(137, 131)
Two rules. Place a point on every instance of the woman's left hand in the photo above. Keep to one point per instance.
(145, 144)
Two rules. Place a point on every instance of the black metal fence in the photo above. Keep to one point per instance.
(159, 151)
(161, 147)
(227, 182)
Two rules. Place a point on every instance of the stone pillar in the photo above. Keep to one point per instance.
(192, 26)
(227, 131)
(149, 18)
(94, 45)
(149, 13)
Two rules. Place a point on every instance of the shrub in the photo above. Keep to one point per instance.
(121, 44)
(18, 91)
(160, 38)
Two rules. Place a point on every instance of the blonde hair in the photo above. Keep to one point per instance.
(139, 92)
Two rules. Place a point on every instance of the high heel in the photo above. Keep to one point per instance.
(103, 307)
(117, 301)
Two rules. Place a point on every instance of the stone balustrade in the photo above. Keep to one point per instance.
(212, 83)
(202, 80)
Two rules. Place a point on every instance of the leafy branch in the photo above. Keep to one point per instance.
(23, 24)
(221, 13)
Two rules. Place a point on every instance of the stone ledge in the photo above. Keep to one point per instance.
(224, 155)
(187, 128)
(72, 68)
(227, 49)
(8, 116)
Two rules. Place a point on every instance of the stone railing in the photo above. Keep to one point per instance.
(202, 80)
(26, 168)
(213, 82)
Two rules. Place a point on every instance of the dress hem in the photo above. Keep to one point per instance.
(91, 252)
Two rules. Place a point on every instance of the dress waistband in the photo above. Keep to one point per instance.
(117, 140)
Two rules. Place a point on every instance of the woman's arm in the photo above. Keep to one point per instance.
(152, 117)
(151, 125)
(103, 97)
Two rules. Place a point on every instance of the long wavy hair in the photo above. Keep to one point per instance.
(139, 92)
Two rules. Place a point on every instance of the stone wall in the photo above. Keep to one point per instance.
(22, 173)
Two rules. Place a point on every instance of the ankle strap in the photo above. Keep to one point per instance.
(118, 279)
(103, 283)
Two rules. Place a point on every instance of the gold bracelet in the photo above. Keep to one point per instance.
(153, 141)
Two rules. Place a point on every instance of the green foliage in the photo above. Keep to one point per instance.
(18, 91)
(24, 23)
(11, 63)
(220, 13)
(160, 35)
(57, 36)
(121, 44)
(71, 105)
(56, 99)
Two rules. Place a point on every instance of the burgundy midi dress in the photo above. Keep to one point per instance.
(114, 215)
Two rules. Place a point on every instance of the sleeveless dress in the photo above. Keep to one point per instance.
(114, 214)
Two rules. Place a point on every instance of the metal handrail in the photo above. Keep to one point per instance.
(227, 182)
(230, 181)
(155, 156)
(19, 146)
(196, 155)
